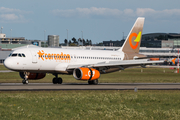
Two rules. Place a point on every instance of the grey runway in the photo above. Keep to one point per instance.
(5, 71)
(82, 86)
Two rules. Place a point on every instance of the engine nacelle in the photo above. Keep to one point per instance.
(86, 73)
(33, 76)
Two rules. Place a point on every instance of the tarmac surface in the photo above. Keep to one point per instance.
(4, 71)
(82, 86)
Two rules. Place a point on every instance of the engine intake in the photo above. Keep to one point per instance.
(33, 76)
(86, 73)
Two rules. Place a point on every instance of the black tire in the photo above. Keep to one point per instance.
(93, 82)
(59, 80)
(24, 81)
(54, 81)
(90, 82)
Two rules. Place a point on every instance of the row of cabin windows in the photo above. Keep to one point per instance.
(82, 57)
(51, 56)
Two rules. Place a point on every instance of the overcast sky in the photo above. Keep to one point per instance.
(100, 20)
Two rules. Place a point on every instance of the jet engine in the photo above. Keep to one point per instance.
(83, 73)
(33, 76)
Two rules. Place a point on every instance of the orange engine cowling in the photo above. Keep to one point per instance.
(86, 73)
(33, 76)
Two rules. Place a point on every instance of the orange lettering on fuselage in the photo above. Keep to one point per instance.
(51, 56)
(41, 54)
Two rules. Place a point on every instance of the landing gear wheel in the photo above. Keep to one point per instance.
(59, 80)
(25, 81)
(54, 80)
(93, 82)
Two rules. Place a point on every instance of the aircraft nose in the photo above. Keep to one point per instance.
(8, 63)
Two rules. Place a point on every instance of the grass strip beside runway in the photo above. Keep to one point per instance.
(2, 67)
(131, 75)
(90, 105)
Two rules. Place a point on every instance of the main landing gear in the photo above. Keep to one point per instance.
(93, 82)
(25, 81)
(57, 80)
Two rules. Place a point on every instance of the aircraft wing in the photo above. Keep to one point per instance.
(123, 64)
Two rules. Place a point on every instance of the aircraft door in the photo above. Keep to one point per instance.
(34, 56)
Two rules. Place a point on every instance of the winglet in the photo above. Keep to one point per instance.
(133, 41)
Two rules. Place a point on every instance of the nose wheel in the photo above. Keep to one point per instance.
(25, 81)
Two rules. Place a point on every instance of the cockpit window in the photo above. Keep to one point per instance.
(23, 55)
(14, 55)
(10, 54)
(19, 55)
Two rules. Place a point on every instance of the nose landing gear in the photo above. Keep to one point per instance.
(25, 81)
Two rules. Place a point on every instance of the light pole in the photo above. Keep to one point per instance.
(67, 37)
(82, 35)
(44, 37)
(1, 29)
(11, 37)
(123, 35)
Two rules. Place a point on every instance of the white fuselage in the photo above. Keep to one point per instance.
(56, 60)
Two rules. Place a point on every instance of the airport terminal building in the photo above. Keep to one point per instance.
(153, 40)
(164, 45)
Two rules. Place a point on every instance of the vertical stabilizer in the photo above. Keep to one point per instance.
(133, 41)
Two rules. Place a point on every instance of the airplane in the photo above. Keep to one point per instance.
(87, 65)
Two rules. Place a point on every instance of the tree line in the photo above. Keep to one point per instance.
(79, 42)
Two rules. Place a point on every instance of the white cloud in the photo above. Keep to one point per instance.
(148, 12)
(9, 15)
(88, 12)
(145, 11)
(94, 12)
(10, 10)
(129, 12)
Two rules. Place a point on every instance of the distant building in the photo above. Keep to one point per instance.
(53, 40)
(153, 40)
(113, 43)
(161, 40)
(17, 40)
(13, 40)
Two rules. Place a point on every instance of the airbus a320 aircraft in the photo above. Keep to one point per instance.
(34, 63)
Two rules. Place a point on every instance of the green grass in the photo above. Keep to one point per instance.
(141, 105)
(2, 67)
(131, 75)
(119, 105)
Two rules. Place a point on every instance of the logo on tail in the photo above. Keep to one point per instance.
(173, 60)
(137, 40)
